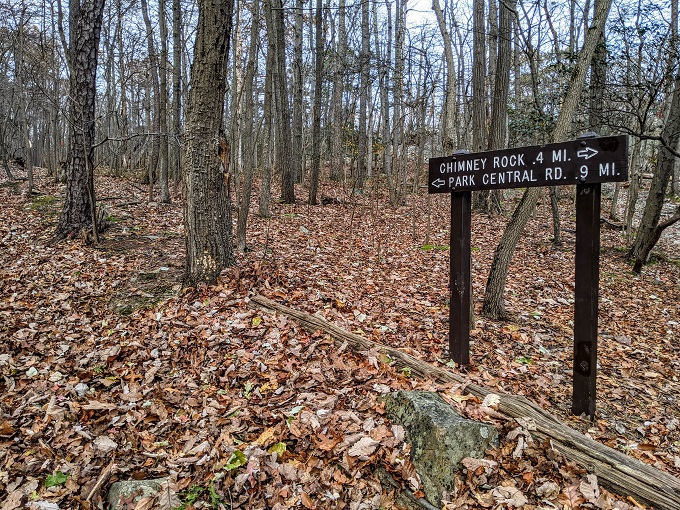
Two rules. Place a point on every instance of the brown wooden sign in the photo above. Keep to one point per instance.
(583, 161)
(586, 162)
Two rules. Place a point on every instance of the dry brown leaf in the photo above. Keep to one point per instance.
(267, 437)
(589, 488)
(571, 497)
(306, 500)
(167, 498)
(146, 503)
(510, 496)
(13, 501)
(363, 448)
(93, 405)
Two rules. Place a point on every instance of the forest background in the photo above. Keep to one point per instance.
(212, 104)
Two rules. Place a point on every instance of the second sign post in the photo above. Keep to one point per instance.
(586, 163)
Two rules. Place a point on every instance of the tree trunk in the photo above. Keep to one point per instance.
(479, 59)
(656, 235)
(337, 149)
(598, 81)
(494, 305)
(364, 61)
(297, 156)
(384, 77)
(398, 151)
(248, 137)
(493, 42)
(275, 34)
(177, 88)
(22, 106)
(449, 114)
(79, 202)
(646, 235)
(163, 104)
(673, 54)
(124, 114)
(498, 129)
(265, 190)
(155, 105)
(316, 122)
(207, 214)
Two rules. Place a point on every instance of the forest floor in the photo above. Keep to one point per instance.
(111, 371)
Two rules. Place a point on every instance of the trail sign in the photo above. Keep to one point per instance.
(583, 161)
(586, 162)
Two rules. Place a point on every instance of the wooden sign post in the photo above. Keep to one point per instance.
(586, 162)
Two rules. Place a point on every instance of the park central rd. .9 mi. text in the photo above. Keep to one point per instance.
(578, 161)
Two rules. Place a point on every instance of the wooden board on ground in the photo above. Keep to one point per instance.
(615, 470)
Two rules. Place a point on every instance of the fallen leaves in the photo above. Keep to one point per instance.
(256, 412)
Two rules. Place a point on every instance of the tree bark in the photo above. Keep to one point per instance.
(479, 93)
(498, 129)
(337, 149)
(673, 54)
(177, 89)
(276, 37)
(494, 305)
(364, 61)
(449, 115)
(248, 136)
(79, 202)
(207, 214)
(163, 103)
(316, 122)
(155, 105)
(297, 156)
(646, 237)
(398, 149)
(384, 77)
(270, 136)
(22, 107)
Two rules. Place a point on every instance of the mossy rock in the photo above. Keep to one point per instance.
(439, 437)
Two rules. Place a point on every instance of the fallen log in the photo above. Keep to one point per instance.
(615, 470)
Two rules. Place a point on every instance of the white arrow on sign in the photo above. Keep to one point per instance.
(438, 183)
(586, 153)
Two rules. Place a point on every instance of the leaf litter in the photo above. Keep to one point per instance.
(244, 409)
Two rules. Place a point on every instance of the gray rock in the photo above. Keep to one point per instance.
(131, 491)
(440, 438)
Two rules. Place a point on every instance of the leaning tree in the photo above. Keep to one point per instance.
(494, 306)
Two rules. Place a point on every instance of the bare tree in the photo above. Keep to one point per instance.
(274, 14)
(79, 203)
(248, 136)
(385, 60)
(650, 229)
(297, 152)
(163, 103)
(176, 87)
(207, 214)
(337, 151)
(154, 106)
(498, 128)
(450, 110)
(494, 305)
(318, 93)
(364, 70)
(479, 59)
